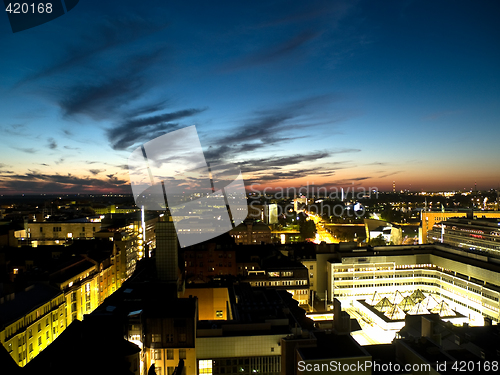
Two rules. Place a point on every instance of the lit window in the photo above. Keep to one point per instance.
(205, 366)
(157, 354)
(155, 337)
(170, 354)
(219, 314)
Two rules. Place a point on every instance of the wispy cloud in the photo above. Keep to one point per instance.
(273, 53)
(138, 130)
(107, 34)
(266, 128)
(28, 150)
(52, 143)
(109, 91)
(39, 182)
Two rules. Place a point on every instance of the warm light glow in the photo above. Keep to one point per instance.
(205, 366)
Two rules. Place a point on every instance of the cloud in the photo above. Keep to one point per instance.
(54, 183)
(96, 171)
(276, 162)
(15, 129)
(108, 34)
(390, 174)
(288, 175)
(105, 93)
(52, 143)
(139, 130)
(147, 109)
(273, 53)
(29, 150)
(279, 168)
(266, 128)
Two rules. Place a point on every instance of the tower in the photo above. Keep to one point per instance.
(166, 251)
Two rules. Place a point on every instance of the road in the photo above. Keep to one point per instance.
(322, 234)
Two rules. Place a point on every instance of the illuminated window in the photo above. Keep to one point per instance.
(205, 366)
(219, 314)
(39, 341)
(155, 337)
(157, 354)
(182, 353)
(170, 354)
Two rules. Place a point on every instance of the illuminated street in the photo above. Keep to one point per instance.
(322, 235)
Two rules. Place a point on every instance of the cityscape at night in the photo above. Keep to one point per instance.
(276, 188)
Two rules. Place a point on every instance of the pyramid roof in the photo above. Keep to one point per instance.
(395, 313)
(397, 298)
(418, 309)
(373, 300)
(407, 303)
(429, 302)
(443, 309)
(383, 305)
(418, 296)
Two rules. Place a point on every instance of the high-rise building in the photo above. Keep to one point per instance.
(166, 251)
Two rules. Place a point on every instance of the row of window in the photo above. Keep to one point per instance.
(280, 283)
(169, 354)
(448, 280)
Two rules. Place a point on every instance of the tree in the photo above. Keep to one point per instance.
(307, 229)
(378, 241)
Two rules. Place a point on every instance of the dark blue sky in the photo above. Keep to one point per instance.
(324, 92)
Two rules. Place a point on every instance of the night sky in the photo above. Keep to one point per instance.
(342, 93)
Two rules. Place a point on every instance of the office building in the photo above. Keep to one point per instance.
(482, 235)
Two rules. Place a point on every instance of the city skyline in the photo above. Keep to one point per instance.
(328, 93)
